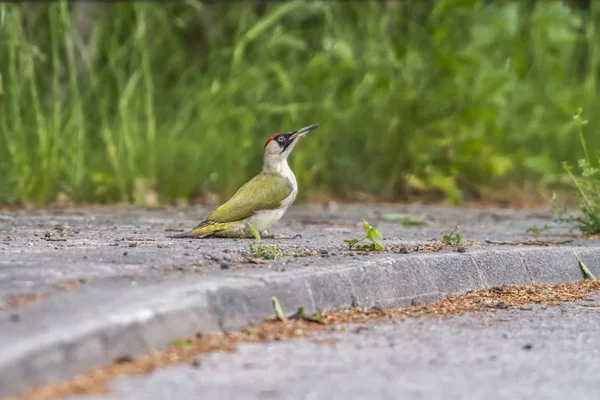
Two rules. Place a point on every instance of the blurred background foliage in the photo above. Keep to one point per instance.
(107, 102)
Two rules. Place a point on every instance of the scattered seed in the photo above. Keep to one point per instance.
(272, 329)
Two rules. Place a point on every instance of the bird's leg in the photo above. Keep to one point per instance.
(267, 235)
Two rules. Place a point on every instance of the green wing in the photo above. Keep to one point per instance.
(263, 192)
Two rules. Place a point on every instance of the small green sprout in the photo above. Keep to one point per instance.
(371, 234)
(181, 344)
(300, 314)
(536, 230)
(277, 309)
(452, 237)
(298, 252)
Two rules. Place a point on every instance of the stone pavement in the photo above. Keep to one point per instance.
(109, 281)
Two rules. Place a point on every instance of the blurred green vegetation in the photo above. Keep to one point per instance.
(99, 100)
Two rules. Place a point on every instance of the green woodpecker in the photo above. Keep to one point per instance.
(263, 200)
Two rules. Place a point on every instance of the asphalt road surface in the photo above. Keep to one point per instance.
(44, 248)
(532, 352)
(101, 282)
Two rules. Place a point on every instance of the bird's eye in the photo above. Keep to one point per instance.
(280, 139)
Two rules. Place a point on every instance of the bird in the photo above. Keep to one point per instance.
(261, 201)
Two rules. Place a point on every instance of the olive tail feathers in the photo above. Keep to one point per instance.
(205, 229)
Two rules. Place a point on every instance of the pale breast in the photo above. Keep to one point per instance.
(287, 173)
(263, 220)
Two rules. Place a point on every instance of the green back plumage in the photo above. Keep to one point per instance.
(263, 192)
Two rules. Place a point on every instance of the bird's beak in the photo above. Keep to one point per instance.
(303, 131)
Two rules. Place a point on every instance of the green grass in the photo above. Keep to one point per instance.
(585, 187)
(536, 231)
(272, 251)
(585, 271)
(448, 96)
(263, 251)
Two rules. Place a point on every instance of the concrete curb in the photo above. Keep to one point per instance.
(62, 336)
